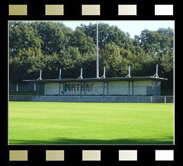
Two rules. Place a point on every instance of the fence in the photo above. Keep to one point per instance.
(119, 99)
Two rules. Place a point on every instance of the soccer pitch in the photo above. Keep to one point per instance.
(90, 123)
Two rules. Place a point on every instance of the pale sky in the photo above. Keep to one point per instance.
(132, 27)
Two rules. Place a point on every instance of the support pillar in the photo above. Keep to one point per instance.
(39, 89)
(107, 88)
(156, 89)
(16, 87)
(80, 89)
(59, 89)
(34, 86)
(85, 89)
(128, 88)
(103, 88)
(132, 88)
(63, 88)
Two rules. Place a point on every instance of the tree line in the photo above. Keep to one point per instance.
(49, 46)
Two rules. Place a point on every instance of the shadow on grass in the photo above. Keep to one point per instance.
(68, 141)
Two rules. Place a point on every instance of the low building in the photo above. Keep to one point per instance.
(114, 86)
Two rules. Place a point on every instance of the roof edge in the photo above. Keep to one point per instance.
(133, 78)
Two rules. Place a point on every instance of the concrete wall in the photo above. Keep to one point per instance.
(117, 99)
(118, 88)
(103, 88)
(140, 87)
(24, 87)
(51, 89)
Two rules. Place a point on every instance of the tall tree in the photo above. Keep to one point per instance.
(83, 43)
(51, 45)
(23, 37)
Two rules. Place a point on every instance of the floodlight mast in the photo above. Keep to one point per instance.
(129, 72)
(81, 74)
(40, 75)
(97, 59)
(156, 74)
(104, 74)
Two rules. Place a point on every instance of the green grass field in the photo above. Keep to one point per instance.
(90, 123)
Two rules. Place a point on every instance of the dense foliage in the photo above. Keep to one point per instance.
(51, 45)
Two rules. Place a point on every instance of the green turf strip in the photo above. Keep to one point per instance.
(90, 123)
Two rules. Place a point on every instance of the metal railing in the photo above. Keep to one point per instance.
(122, 99)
